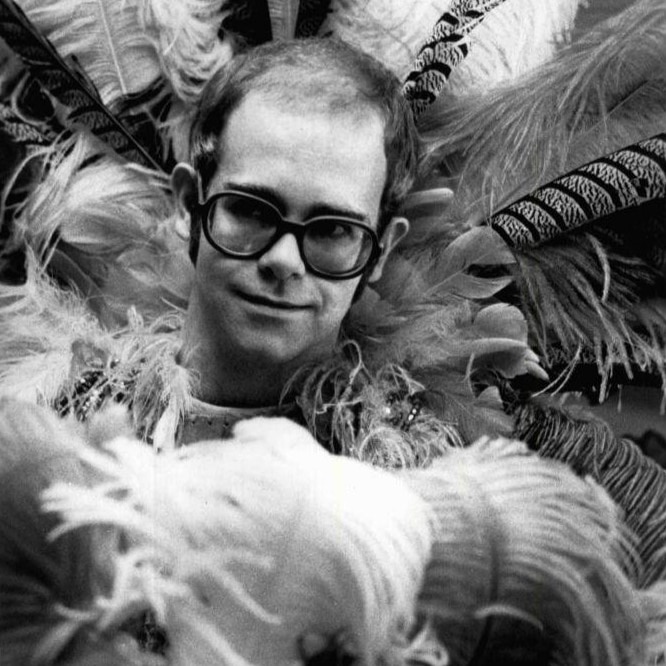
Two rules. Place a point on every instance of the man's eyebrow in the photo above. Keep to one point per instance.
(317, 210)
(258, 190)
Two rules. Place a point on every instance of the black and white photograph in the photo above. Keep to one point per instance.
(332, 332)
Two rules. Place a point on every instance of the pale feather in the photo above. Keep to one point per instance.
(598, 94)
(106, 38)
(116, 223)
(515, 37)
(185, 35)
(262, 539)
(517, 535)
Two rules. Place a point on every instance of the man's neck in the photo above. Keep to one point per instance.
(230, 377)
(222, 378)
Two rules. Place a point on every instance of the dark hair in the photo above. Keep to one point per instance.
(314, 73)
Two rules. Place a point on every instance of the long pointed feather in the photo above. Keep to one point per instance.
(67, 85)
(621, 180)
(311, 16)
(23, 132)
(445, 48)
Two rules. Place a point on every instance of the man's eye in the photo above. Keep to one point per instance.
(333, 230)
(248, 210)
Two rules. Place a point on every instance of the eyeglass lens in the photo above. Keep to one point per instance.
(245, 226)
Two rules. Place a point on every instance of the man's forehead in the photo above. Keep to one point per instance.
(311, 109)
(337, 159)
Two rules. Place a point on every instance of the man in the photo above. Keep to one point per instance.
(302, 153)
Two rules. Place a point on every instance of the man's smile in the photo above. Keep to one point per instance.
(270, 302)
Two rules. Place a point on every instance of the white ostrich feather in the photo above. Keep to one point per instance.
(39, 324)
(252, 543)
(392, 31)
(186, 36)
(116, 228)
(515, 37)
(126, 45)
(106, 38)
(524, 537)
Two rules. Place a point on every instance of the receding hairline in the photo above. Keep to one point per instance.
(360, 111)
(366, 119)
(333, 89)
(313, 74)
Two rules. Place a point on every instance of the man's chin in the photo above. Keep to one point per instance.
(284, 353)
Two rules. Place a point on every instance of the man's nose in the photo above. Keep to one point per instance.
(283, 259)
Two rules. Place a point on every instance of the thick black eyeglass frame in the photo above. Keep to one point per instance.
(288, 226)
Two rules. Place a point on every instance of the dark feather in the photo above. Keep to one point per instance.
(23, 132)
(446, 47)
(69, 85)
(623, 179)
(144, 113)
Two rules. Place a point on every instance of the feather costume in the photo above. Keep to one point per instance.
(469, 311)
(268, 549)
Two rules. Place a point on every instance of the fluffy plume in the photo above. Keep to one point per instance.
(105, 37)
(50, 339)
(525, 549)
(115, 227)
(46, 600)
(515, 38)
(392, 31)
(598, 94)
(186, 37)
(245, 547)
(69, 84)
(40, 323)
(126, 45)
(261, 547)
(597, 315)
(435, 315)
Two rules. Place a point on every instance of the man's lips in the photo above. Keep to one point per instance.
(277, 303)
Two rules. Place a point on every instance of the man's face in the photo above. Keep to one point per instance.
(271, 308)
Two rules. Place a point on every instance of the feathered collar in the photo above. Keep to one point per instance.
(110, 231)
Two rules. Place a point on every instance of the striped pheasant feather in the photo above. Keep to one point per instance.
(68, 85)
(622, 179)
(23, 132)
(447, 46)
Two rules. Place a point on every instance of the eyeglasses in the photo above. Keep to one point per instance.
(245, 226)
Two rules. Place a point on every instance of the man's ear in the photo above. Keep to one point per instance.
(395, 231)
(186, 188)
